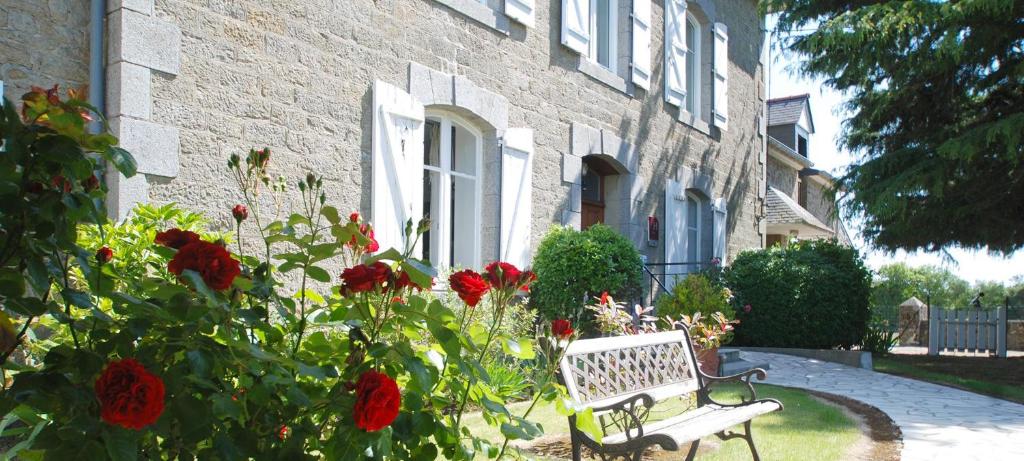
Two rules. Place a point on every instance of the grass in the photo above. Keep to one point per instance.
(806, 426)
(982, 375)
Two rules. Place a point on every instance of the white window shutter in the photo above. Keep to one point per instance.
(720, 231)
(576, 25)
(642, 43)
(721, 74)
(397, 168)
(675, 51)
(675, 231)
(521, 11)
(516, 195)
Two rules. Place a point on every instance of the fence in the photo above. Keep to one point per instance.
(973, 330)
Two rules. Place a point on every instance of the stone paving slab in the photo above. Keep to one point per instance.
(938, 422)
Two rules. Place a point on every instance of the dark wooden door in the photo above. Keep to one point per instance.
(593, 213)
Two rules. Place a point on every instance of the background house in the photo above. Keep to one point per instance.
(798, 205)
(498, 119)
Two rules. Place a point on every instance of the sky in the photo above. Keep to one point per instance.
(970, 265)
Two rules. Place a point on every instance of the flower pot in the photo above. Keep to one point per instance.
(708, 360)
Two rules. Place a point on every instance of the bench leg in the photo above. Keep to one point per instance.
(693, 450)
(750, 441)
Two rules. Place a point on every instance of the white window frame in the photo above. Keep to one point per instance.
(613, 35)
(699, 225)
(443, 221)
(693, 75)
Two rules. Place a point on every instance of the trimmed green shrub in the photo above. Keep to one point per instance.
(813, 294)
(695, 293)
(571, 265)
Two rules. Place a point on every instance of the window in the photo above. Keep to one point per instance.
(604, 32)
(693, 65)
(451, 192)
(693, 228)
(801, 145)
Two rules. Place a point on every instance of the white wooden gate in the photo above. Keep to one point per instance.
(962, 330)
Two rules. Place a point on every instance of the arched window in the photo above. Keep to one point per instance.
(451, 192)
(693, 64)
(693, 228)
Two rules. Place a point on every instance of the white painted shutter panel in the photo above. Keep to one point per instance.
(721, 74)
(675, 230)
(720, 230)
(397, 168)
(516, 195)
(675, 51)
(642, 43)
(576, 25)
(521, 11)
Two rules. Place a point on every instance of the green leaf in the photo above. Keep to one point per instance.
(331, 214)
(197, 282)
(122, 444)
(77, 298)
(586, 423)
(122, 160)
(318, 273)
(520, 349)
(420, 274)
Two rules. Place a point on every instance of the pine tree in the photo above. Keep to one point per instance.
(935, 90)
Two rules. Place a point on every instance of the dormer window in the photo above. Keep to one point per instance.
(801, 144)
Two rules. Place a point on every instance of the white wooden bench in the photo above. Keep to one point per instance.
(622, 378)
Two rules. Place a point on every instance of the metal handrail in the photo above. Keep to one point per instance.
(655, 276)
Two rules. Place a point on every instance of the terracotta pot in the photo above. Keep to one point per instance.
(708, 360)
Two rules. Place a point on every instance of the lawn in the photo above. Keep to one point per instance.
(806, 426)
(1002, 378)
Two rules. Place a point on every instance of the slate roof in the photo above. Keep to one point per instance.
(785, 111)
(781, 209)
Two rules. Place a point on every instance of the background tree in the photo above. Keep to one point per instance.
(936, 96)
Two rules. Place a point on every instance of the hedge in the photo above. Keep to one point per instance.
(813, 294)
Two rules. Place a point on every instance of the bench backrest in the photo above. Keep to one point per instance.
(602, 371)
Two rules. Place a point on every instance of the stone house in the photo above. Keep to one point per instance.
(497, 118)
(798, 205)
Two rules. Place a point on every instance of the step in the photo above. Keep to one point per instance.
(739, 366)
(728, 355)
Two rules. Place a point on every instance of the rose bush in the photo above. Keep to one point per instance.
(170, 345)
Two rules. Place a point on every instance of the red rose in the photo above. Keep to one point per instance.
(240, 212)
(61, 183)
(176, 238)
(504, 275)
(282, 432)
(366, 277)
(373, 246)
(104, 255)
(211, 261)
(470, 286)
(404, 281)
(129, 395)
(604, 298)
(561, 329)
(91, 183)
(367, 232)
(377, 401)
(354, 217)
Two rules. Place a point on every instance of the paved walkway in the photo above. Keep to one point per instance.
(938, 423)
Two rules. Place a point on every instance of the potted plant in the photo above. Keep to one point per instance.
(707, 334)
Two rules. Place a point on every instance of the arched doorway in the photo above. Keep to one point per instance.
(594, 192)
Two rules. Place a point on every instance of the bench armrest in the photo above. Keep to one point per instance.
(633, 410)
(745, 377)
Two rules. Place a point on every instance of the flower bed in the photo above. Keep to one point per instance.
(163, 340)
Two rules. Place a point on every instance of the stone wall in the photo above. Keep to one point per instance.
(295, 75)
(817, 201)
(43, 43)
(782, 177)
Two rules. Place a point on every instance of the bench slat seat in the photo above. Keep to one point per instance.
(621, 378)
(701, 422)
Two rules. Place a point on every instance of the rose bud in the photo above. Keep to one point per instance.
(240, 212)
(104, 255)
